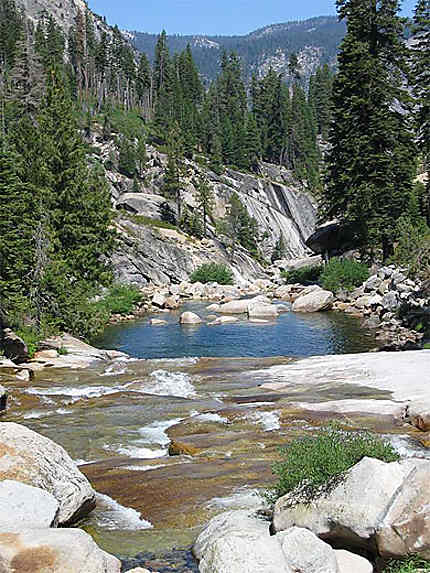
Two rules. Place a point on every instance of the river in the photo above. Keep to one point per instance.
(196, 389)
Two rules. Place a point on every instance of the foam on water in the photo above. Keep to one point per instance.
(143, 468)
(36, 414)
(111, 515)
(243, 498)
(164, 383)
(407, 447)
(115, 369)
(77, 392)
(155, 433)
(185, 361)
(136, 451)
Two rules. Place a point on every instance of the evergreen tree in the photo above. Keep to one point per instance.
(420, 79)
(127, 157)
(141, 155)
(370, 164)
(175, 169)
(205, 200)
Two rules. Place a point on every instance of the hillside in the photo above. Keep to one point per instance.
(315, 41)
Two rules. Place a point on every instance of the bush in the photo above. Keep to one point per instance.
(412, 564)
(317, 463)
(343, 274)
(303, 276)
(120, 299)
(213, 273)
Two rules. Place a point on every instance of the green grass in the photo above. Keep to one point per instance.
(316, 464)
(148, 222)
(343, 274)
(411, 564)
(213, 273)
(427, 346)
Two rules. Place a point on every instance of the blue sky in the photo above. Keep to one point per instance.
(211, 16)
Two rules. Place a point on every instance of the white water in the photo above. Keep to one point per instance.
(111, 515)
(155, 433)
(164, 383)
(78, 392)
(268, 420)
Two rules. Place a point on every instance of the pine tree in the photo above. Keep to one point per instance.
(370, 164)
(175, 169)
(141, 155)
(127, 157)
(205, 200)
(420, 80)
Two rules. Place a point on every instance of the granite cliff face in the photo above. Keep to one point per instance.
(150, 253)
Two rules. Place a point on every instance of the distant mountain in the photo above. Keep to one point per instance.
(315, 41)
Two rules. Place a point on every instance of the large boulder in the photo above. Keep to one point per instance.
(259, 309)
(190, 318)
(234, 307)
(32, 459)
(23, 506)
(315, 301)
(239, 542)
(14, 347)
(53, 551)
(146, 204)
(3, 399)
(388, 517)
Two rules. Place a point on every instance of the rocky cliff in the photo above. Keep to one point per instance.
(150, 252)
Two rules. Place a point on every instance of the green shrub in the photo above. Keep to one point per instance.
(317, 463)
(213, 273)
(303, 276)
(31, 337)
(120, 299)
(343, 274)
(411, 564)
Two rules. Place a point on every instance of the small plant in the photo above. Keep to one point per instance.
(343, 274)
(411, 564)
(213, 273)
(315, 464)
(62, 351)
(120, 299)
(303, 276)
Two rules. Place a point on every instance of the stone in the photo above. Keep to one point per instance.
(53, 551)
(32, 459)
(261, 309)
(14, 347)
(372, 283)
(23, 506)
(242, 520)
(177, 448)
(159, 299)
(190, 318)
(305, 552)
(316, 301)
(234, 307)
(225, 320)
(157, 322)
(283, 292)
(45, 354)
(418, 414)
(389, 520)
(139, 570)
(351, 563)
(74, 347)
(213, 308)
(146, 204)
(171, 302)
(389, 301)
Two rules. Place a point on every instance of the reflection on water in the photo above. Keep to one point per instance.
(292, 334)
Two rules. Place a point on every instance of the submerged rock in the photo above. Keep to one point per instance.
(32, 459)
(53, 551)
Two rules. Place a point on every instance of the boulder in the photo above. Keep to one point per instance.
(351, 563)
(390, 519)
(32, 459)
(74, 347)
(418, 414)
(225, 320)
(234, 307)
(53, 551)
(14, 347)
(190, 318)
(314, 302)
(305, 552)
(213, 307)
(159, 299)
(146, 204)
(284, 292)
(25, 507)
(261, 309)
(171, 302)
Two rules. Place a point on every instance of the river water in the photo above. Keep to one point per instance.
(197, 390)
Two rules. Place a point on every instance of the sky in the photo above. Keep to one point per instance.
(211, 17)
